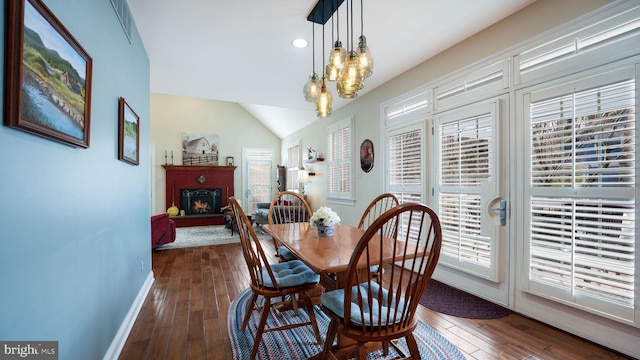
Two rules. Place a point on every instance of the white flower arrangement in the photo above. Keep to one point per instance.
(324, 216)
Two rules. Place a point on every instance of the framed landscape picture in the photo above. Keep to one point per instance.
(128, 134)
(47, 74)
(200, 149)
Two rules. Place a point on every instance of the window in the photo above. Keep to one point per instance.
(405, 120)
(404, 154)
(340, 161)
(293, 165)
(581, 223)
(257, 183)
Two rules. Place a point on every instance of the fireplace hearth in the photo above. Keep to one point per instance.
(200, 201)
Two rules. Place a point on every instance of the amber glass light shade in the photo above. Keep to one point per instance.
(311, 89)
(325, 100)
(337, 55)
(350, 77)
(332, 72)
(365, 57)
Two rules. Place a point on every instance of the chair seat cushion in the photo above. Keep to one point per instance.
(290, 273)
(381, 308)
(285, 254)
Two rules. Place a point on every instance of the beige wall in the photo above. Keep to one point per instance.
(541, 16)
(237, 129)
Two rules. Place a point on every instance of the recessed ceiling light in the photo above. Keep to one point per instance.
(300, 43)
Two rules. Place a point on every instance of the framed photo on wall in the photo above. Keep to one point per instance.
(128, 134)
(47, 74)
(366, 155)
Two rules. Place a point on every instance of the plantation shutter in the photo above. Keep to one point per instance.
(582, 215)
(404, 153)
(293, 165)
(258, 163)
(339, 160)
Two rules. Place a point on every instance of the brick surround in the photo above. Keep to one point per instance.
(186, 177)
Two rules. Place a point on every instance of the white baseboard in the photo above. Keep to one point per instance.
(125, 328)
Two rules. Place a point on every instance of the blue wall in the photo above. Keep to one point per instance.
(74, 223)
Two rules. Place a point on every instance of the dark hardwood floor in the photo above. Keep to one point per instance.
(185, 316)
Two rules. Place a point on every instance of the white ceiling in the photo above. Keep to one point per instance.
(240, 51)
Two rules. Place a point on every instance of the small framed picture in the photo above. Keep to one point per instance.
(128, 134)
(366, 156)
(229, 160)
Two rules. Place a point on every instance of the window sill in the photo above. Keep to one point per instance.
(348, 202)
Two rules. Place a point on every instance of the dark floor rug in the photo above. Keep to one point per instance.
(449, 300)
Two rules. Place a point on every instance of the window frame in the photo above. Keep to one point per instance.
(292, 166)
(336, 162)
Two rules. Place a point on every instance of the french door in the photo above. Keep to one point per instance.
(257, 177)
(470, 188)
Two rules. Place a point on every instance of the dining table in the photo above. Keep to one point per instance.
(328, 256)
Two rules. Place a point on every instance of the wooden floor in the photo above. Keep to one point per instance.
(185, 316)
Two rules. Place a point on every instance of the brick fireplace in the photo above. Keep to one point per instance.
(200, 191)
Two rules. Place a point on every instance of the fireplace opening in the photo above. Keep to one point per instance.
(200, 201)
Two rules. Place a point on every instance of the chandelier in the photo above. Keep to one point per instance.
(347, 68)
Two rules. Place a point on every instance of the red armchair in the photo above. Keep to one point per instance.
(163, 230)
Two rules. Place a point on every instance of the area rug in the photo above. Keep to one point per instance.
(204, 236)
(300, 343)
(449, 300)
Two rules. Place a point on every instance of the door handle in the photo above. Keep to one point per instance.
(503, 212)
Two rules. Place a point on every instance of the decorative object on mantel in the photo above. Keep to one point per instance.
(200, 149)
(51, 99)
(325, 219)
(230, 160)
(366, 155)
(165, 158)
(173, 209)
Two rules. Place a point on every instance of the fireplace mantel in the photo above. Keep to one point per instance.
(198, 177)
(197, 167)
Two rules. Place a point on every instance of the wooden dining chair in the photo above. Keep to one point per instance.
(372, 309)
(287, 207)
(377, 207)
(287, 280)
